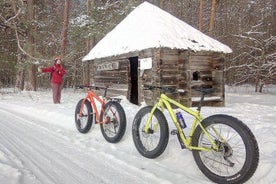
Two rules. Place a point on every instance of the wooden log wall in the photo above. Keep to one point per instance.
(148, 76)
(173, 73)
(169, 70)
(117, 78)
(175, 68)
(210, 69)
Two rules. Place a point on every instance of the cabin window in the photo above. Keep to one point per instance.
(196, 76)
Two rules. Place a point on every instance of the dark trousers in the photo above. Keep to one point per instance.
(56, 89)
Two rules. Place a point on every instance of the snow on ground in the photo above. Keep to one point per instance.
(40, 144)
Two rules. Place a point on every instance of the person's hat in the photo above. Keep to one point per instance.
(57, 58)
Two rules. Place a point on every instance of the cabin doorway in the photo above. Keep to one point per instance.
(134, 80)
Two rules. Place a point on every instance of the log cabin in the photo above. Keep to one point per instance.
(152, 47)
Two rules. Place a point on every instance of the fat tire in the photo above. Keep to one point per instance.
(89, 114)
(251, 147)
(122, 122)
(164, 132)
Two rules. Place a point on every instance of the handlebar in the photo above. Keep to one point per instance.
(164, 89)
(93, 87)
(204, 90)
(201, 89)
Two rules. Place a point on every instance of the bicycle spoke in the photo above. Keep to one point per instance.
(111, 127)
(150, 140)
(82, 120)
(110, 130)
(217, 162)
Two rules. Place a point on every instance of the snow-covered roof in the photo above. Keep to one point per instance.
(148, 26)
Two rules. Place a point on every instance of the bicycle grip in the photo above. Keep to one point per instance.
(79, 87)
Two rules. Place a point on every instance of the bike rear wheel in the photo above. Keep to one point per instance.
(153, 143)
(84, 121)
(114, 118)
(238, 155)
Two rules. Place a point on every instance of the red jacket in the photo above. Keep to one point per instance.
(57, 73)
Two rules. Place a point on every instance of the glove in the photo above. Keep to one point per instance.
(39, 69)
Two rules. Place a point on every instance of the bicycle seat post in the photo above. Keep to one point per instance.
(105, 91)
(201, 101)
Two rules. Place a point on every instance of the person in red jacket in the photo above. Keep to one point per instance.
(57, 73)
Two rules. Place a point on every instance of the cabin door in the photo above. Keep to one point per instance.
(134, 80)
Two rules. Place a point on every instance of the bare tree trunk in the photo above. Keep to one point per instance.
(200, 16)
(258, 85)
(162, 3)
(261, 87)
(30, 82)
(26, 73)
(212, 17)
(88, 66)
(65, 27)
(19, 83)
(88, 9)
(88, 47)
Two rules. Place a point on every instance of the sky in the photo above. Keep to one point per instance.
(39, 142)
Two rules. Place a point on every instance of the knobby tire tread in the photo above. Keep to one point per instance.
(122, 118)
(164, 130)
(89, 118)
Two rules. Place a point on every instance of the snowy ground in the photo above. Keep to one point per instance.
(40, 144)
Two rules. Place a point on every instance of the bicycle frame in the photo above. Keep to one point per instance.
(92, 98)
(165, 101)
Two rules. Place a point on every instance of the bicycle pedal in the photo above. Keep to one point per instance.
(174, 132)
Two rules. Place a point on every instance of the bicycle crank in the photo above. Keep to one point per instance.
(227, 152)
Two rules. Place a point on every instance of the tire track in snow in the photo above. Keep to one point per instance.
(29, 141)
(41, 153)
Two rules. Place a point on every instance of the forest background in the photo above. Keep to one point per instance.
(33, 32)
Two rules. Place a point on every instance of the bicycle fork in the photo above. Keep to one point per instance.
(180, 135)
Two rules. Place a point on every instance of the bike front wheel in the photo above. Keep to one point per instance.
(237, 156)
(84, 120)
(152, 143)
(114, 122)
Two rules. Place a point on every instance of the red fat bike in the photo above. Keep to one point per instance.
(107, 112)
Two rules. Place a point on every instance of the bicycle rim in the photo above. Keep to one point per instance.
(83, 120)
(215, 160)
(150, 140)
(112, 118)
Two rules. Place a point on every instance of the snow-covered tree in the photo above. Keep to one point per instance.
(254, 58)
(247, 26)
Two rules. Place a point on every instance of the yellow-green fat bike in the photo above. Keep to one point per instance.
(223, 147)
